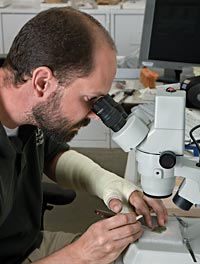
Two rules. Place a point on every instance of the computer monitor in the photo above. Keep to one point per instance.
(171, 36)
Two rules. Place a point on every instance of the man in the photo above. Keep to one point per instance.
(60, 62)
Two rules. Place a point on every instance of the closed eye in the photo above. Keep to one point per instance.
(91, 99)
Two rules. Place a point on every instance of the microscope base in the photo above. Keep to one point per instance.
(166, 247)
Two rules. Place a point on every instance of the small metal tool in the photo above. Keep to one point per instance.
(181, 221)
(108, 214)
(104, 214)
(186, 241)
(126, 94)
(125, 90)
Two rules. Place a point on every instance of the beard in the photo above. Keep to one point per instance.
(47, 116)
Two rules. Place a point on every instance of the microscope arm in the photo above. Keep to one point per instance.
(189, 190)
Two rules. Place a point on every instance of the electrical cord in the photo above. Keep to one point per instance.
(195, 141)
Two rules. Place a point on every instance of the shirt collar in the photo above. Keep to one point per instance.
(11, 132)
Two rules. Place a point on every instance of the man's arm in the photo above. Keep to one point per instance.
(74, 170)
(106, 239)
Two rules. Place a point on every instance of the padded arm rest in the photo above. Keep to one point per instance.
(55, 195)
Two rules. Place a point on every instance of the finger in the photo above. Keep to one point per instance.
(141, 207)
(124, 242)
(115, 205)
(120, 220)
(132, 230)
(159, 208)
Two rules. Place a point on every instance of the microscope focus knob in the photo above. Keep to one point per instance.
(167, 159)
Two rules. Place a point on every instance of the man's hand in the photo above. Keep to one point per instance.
(104, 241)
(143, 205)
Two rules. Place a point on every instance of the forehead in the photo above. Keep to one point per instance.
(105, 66)
(99, 81)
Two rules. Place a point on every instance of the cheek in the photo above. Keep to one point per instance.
(76, 111)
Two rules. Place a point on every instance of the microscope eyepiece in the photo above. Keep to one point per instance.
(110, 113)
(116, 105)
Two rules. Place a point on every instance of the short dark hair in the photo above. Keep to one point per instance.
(63, 39)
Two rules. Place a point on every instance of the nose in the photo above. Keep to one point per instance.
(92, 115)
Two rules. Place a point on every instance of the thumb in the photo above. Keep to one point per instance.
(115, 205)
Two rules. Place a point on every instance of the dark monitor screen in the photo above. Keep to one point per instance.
(171, 34)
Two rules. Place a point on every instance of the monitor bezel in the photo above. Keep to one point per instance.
(144, 60)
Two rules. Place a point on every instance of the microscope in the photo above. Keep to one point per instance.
(158, 145)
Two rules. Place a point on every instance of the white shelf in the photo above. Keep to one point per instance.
(4, 3)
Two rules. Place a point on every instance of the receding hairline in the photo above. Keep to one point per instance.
(98, 33)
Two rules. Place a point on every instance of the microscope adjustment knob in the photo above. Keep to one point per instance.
(167, 159)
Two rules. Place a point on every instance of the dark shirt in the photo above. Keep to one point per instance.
(21, 169)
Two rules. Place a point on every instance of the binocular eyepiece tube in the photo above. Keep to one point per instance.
(111, 113)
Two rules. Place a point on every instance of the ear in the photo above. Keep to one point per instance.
(41, 80)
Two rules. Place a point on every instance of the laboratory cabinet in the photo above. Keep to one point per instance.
(124, 25)
(96, 134)
(126, 30)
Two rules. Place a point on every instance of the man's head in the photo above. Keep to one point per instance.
(69, 59)
(62, 39)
